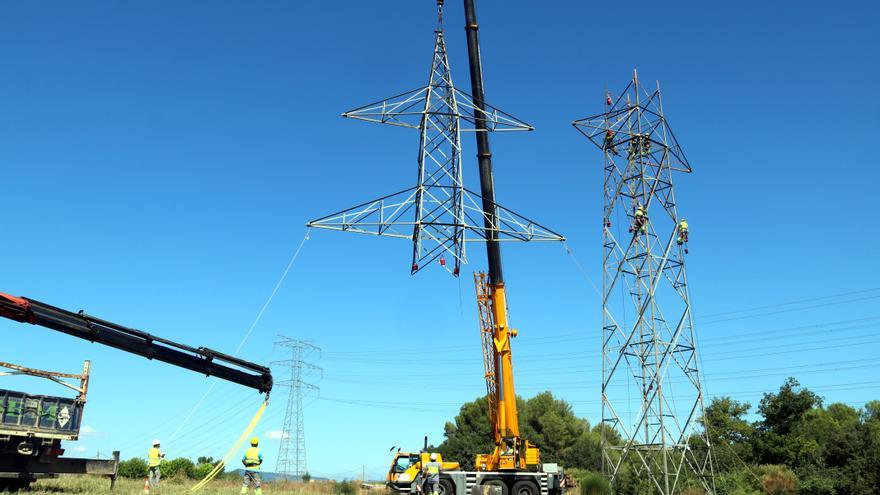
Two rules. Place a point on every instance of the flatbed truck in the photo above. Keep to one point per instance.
(32, 428)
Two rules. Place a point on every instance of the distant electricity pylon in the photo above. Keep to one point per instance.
(439, 215)
(648, 344)
(292, 452)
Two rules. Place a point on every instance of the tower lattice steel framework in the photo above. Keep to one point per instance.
(292, 452)
(651, 392)
(439, 215)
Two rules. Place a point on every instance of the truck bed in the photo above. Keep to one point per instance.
(40, 416)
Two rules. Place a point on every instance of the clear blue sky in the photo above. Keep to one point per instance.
(160, 160)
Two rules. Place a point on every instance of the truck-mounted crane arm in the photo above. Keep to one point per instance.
(93, 329)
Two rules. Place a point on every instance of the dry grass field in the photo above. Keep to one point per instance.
(88, 485)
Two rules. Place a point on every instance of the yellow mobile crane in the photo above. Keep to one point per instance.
(514, 466)
(512, 452)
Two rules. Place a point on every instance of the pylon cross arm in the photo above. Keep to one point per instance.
(439, 222)
(409, 109)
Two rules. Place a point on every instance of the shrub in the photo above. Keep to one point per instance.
(591, 483)
(739, 482)
(178, 468)
(817, 484)
(778, 480)
(202, 470)
(306, 477)
(345, 487)
(133, 468)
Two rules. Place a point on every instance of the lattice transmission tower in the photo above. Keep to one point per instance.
(439, 214)
(652, 397)
(292, 452)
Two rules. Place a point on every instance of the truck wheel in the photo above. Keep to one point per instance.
(495, 487)
(446, 487)
(14, 485)
(524, 487)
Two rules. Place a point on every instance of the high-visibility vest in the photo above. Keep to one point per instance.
(433, 469)
(154, 457)
(683, 226)
(252, 459)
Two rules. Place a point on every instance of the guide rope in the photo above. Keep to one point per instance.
(580, 268)
(247, 334)
(218, 468)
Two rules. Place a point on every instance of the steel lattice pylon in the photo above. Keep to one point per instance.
(649, 349)
(439, 215)
(291, 461)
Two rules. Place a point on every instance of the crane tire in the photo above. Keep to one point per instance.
(446, 487)
(14, 485)
(503, 489)
(525, 487)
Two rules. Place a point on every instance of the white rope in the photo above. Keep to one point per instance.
(581, 268)
(246, 335)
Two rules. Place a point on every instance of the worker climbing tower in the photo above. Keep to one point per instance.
(652, 398)
(439, 214)
(291, 462)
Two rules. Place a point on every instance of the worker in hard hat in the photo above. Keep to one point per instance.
(635, 144)
(682, 233)
(154, 463)
(609, 142)
(432, 474)
(640, 220)
(252, 460)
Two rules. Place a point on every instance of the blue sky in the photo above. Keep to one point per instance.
(160, 160)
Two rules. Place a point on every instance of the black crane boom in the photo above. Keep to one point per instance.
(484, 154)
(84, 326)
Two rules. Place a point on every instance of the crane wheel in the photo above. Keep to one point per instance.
(524, 487)
(446, 487)
(493, 487)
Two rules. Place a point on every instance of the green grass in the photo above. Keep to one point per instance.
(101, 485)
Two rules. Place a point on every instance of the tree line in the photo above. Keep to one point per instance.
(796, 446)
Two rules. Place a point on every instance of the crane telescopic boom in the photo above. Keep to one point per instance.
(84, 326)
(511, 451)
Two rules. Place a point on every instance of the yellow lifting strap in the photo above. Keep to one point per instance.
(238, 443)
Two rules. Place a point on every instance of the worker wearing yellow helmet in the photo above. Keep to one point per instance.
(252, 460)
(682, 232)
(640, 220)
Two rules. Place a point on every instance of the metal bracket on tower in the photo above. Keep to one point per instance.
(439, 215)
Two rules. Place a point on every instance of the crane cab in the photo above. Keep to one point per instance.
(406, 466)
